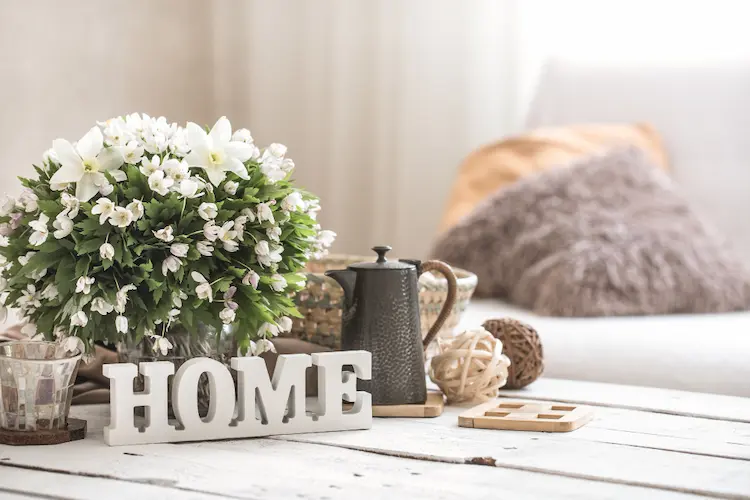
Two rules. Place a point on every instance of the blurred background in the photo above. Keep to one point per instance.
(378, 101)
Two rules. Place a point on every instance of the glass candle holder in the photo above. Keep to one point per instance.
(36, 385)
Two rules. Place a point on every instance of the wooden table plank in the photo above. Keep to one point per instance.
(266, 468)
(713, 406)
(28, 483)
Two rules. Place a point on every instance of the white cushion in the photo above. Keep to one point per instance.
(702, 112)
(704, 353)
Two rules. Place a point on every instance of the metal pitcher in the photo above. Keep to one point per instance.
(381, 315)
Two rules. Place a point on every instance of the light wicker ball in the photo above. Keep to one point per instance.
(470, 367)
(522, 346)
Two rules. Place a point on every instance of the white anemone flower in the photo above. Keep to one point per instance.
(107, 251)
(172, 264)
(227, 315)
(83, 285)
(136, 208)
(104, 208)
(122, 217)
(205, 248)
(71, 204)
(79, 319)
(268, 330)
(161, 344)
(285, 323)
(203, 290)
(292, 202)
(189, 188)
(265, 213)
(179, 249)
(63, 226)
(251, 278)
(101, 306)
(231, 187)
(278, 283)
(258, 347)
(208, 211)
(159, 183)
(86, 163)
(132, 152)
(216, 152)
(121, 324)
(41, 232)
(166, 234)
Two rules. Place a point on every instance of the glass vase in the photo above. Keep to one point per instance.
(36, 385)
(205, 341)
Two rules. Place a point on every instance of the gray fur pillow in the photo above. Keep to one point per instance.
(610, 235)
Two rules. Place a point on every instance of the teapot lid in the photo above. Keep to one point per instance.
(382, 262)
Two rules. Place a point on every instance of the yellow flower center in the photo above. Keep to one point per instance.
(90, 166)
(216, 157)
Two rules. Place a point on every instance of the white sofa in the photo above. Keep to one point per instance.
(703, 115)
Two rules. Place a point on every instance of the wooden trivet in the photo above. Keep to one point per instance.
(433, 407)
(526, 416)
(76, 430)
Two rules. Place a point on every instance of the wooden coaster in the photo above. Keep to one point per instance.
(526, 416)
(433, 407)
(76, 430)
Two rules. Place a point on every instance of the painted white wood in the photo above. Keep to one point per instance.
(696, 404)
(269, 469)
(26, 483)
(264, 407)
(621, 454)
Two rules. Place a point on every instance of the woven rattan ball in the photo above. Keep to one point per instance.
(470, 367)
(522, 345)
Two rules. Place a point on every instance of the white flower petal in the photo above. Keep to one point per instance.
(197, 138)
(215, 174)
(86, 188)
(90, 144)
(71, 164)
(234, 165)
(239, 150)
(221, 133)
(110, 159)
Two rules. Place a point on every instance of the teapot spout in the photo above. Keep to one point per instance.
(346, 278)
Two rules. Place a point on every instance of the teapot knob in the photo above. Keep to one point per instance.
(381, 251)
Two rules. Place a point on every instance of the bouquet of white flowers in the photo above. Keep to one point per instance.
(143, 225)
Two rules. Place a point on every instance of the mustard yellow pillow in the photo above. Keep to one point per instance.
(502, 163)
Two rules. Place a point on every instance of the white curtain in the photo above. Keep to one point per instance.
(378, 100)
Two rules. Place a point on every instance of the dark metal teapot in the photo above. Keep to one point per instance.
(381, 315)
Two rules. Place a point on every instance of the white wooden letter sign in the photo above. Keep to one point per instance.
(264, 406)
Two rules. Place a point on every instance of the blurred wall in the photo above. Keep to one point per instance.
(378, 101)
(65, 65)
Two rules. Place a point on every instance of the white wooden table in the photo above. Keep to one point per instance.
(643, 443)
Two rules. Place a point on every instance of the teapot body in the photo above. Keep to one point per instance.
(382, 317)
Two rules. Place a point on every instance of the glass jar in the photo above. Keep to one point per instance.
(36, 385)
(206, 341)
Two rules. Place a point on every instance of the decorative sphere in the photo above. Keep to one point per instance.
(470, 367)
(522, 345)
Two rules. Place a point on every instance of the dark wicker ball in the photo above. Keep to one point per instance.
(522, 345)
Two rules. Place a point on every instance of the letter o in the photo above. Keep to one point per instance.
(185, 394)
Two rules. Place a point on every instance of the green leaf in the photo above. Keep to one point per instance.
(65, 275)
(158, 293)
(82, 266)
(89, 246)
(89, 226)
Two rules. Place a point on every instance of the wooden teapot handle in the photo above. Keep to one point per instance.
(450, 300)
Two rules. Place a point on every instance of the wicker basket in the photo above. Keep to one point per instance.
(320, 302)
